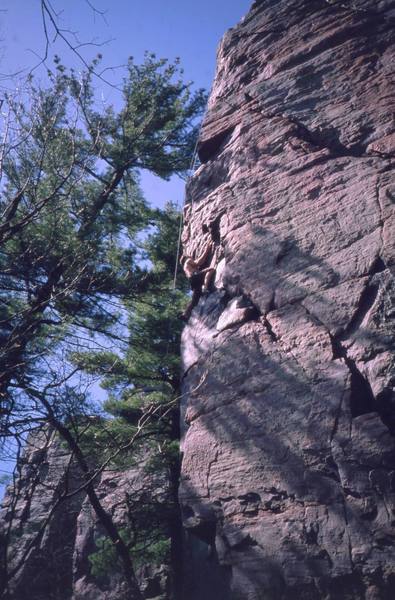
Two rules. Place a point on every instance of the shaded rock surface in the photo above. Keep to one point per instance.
(288, 473)
(57, 563)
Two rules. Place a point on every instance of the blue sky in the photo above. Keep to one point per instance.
(190, 30)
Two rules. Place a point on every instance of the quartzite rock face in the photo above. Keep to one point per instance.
(48, 496)
(41, 534)
(288, 475)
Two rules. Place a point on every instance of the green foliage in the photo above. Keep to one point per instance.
(154, 329)
(154, 550)
(5, 479)
(104, 560)
(156, 553)
(146, 376)
(74, 220)
(167, 456)
(86, 268)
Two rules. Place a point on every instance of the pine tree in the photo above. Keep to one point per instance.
(73, 212)
(71, 257)
(143, 386)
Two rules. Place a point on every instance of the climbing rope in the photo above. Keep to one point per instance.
(192, 167)
(336, 3)
(173, 289)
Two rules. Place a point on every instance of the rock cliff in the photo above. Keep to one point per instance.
(287, 486)
(288, 473)
(56, 545)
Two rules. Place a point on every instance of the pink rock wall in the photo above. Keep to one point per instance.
(288, 474)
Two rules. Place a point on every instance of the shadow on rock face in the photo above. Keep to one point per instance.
(287, 478)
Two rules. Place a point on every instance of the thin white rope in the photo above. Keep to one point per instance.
(191, 169)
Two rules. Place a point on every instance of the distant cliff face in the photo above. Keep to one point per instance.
(57, 549)
(288, 474)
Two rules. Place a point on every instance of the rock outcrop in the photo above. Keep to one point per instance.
(287, 486)
(288, 473)
(58, 550)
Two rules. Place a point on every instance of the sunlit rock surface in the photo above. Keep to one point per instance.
(288, 481)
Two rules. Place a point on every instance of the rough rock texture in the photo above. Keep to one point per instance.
(288, 474)
(47, 570)
(58, 566)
